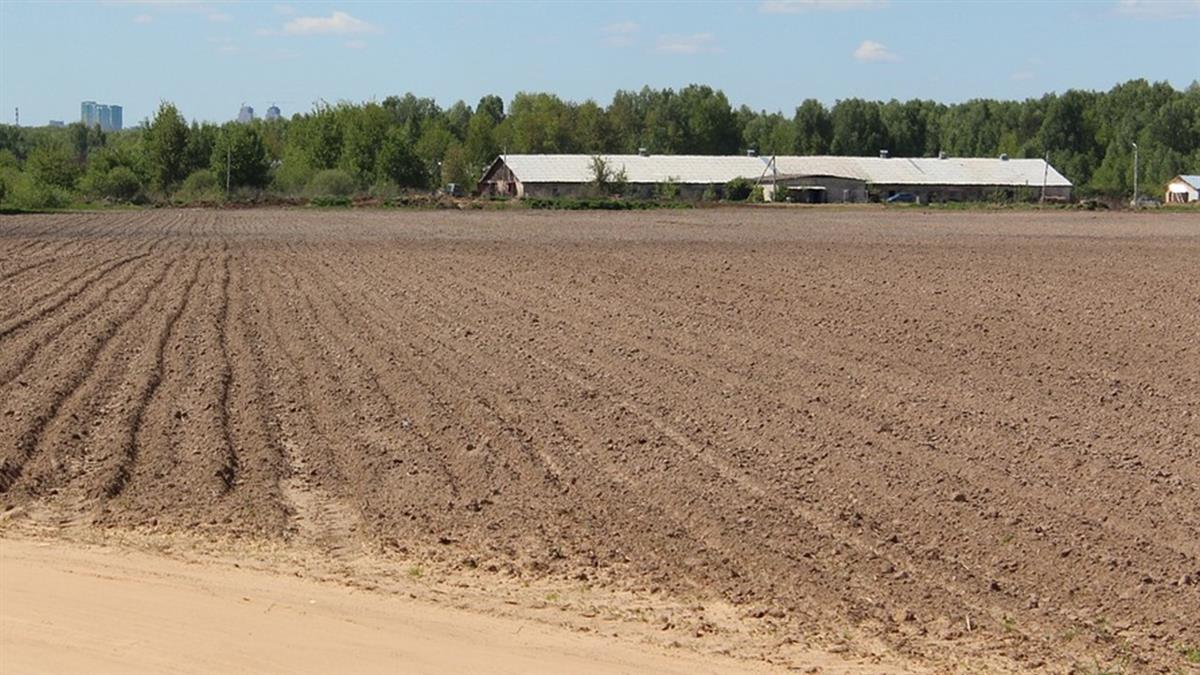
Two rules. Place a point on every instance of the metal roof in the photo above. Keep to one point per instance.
(702, 169)
(708, 169)
(1194, 181)
(926, 170)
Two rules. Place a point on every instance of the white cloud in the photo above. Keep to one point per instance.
(874, 52)
(621, 27)
(220, 17)
(620, 34)
(1159, 9)
(143, 18)
(356, 44)
(338, 23)
(695, 43)
(798, 6)
(264, 32)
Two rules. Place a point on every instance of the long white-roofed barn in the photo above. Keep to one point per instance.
(643, 175)
(810, 179)
(827, 179)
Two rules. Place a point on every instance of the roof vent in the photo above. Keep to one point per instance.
(942, 154)
(883, 154)
(642, 152)
(1004, 157)
(751, 152)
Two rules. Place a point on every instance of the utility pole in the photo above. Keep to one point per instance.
(1135, 175)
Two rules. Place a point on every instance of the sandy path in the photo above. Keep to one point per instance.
(73, 609)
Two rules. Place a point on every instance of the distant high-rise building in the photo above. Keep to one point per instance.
(57, 123)
(246, 114)
(273, 113)
(107, 117)
(87, 114)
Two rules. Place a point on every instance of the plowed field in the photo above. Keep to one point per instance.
(969, 435)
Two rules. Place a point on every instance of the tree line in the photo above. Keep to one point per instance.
(409, 142)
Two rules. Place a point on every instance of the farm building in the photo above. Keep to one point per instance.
(572, 175)
(929, 179)
(820, 179)
(1183, 190)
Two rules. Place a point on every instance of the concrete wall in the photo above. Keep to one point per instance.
(686, 192)
(927, 194)
(837, 190)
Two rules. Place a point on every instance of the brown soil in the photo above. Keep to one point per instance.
(971, 437)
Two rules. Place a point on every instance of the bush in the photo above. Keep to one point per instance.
(329, 201)
(756, 195)
(200, 185)
(52, 165)
(384, 190)
(119, 183)
(331, 183)
(22, 192)
(292, 174)
(739, 189)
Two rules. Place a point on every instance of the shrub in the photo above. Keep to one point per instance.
(52, 165)
(293, 172)
(384, 190)
(330, 201)
(739, 189)
(331, 183)
(119, 183)
(667, 190)
(20, 191)
(200, 185)
(710, 194)
(756, 195)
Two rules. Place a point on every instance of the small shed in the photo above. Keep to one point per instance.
(1183, 190)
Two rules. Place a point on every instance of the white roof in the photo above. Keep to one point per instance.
(926, 170)
(705, 169)
(638, 169)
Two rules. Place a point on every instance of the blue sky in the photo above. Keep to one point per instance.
(209, 57)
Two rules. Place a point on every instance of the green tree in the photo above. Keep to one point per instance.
(857, 128)
(239, 155)
(398, 163)
(53, 165)
(456, 168)
(166, 146)
(814, 128)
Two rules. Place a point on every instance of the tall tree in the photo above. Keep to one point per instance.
(166, 145)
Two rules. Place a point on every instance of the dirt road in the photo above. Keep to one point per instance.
(973, 437)
(72, 609)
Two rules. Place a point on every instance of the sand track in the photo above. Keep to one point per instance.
(974, 437)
